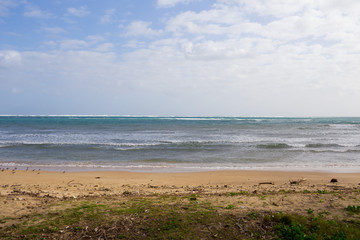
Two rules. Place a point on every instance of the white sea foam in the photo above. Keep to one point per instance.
(329, 167)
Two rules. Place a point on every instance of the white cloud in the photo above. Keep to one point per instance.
(9, 59)
(257, 57)
(172, 3)
(134, 44)
(13, 34)
(141, 28)
(105, 47)
(50, 43)
(90, 42)
(217, 51)
(291, 79)
(298, 21)
(33, 11)
(256, 54)
(54, 30)
(109, 16)
(215, 21)
(72, 44)
(5, 6)
(276, 8)
(93, 39)
(78, 12)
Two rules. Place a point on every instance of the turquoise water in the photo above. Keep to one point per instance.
(171, 144)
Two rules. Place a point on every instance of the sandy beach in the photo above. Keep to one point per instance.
(24, 191)
(26, 195)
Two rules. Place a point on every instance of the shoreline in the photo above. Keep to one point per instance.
(180, 169)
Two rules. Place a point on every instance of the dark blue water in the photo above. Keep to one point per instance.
(179, 143)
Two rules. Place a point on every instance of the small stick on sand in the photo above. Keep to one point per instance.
(271, 183)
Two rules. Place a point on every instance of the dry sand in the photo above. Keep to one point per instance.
(25, 192)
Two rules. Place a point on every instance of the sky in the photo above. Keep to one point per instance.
(180, 57)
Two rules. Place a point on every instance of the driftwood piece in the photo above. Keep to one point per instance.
(271, 183)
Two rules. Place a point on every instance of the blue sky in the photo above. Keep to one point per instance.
(180, 57)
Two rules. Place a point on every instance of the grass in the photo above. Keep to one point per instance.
(310, 211)
(193, 197)
(311, 228)
(230, 206)
(253, 215)
(286, 191)
(242, 192)
(353, 209)
(172, 217)
(322, 192)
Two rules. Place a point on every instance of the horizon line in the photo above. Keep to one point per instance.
(165, 116)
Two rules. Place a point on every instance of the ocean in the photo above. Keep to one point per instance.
(179, 144)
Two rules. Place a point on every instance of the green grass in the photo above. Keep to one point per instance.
(310, 228)
(353, 209)
(230, 206)
(253, 215)
(3, 220)
(242, 192)
(193, 197)
(286, 191)
(173, 217)
(322, 192)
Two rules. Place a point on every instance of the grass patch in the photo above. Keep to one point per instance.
(309, 228)
(175, 218)
(353, 209)
(3, 220)
(242, 192)
(253, 215)
(322, 192)
(310, 211)
(193, 197)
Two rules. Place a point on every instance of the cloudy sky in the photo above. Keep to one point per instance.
(180, 57)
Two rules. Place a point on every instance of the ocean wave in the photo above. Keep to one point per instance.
(345, 126)
(161, 160)
(163, 145)
(5, 145)
(334, 151)
(273, 146)
(323, 145)
(11, 144)
(184, 167)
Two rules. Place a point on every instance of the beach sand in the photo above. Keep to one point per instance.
(24, 192)
(102, 205)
